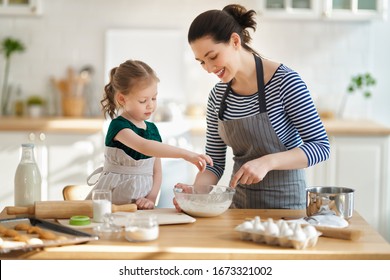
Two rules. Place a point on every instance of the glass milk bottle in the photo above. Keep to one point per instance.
(27, 178)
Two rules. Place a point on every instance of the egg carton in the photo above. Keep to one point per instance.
(279, 233)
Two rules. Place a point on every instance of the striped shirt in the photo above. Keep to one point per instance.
(291, 111)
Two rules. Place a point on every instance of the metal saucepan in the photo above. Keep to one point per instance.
(330, 200)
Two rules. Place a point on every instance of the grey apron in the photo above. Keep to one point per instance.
(251, 138)
(127, 178)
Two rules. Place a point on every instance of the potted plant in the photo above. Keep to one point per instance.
(8, 46)
(359, 83)
(35, 105)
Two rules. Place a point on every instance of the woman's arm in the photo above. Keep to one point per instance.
(206, 178)
(156, 149)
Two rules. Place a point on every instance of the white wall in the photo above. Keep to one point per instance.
(72, 33)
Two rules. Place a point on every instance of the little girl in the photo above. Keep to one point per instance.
(132, 166)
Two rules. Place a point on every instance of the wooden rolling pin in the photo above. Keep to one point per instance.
(64, 209)
(333, 232)
(340, 233)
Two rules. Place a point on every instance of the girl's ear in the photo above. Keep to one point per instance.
(120, 99)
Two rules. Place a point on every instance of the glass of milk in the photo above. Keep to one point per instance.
(101, 200)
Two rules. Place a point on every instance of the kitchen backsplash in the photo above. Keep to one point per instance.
(72, 33)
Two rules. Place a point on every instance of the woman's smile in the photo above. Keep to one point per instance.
(220, 73)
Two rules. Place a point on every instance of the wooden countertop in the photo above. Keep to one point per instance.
(197, 125)
(355, 128)
(215, 238)
(52, 124)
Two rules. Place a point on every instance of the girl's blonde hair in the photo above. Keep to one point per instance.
(125, 78)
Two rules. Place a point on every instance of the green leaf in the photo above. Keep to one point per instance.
(363, 83)
(10, 46)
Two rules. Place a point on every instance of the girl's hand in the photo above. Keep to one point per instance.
(200, 161)
(144, 203)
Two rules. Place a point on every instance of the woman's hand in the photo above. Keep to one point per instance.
(186, 189)
(251, 172)
(255, 170)
(144, 203)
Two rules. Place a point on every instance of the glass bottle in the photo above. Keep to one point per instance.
(19, 103)
(27, 178)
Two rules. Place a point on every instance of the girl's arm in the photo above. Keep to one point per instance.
(149, 201)
(156, 149)
(157, 180)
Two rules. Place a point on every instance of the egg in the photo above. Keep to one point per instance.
(271, 228)
(257, 225)
(310, 231)
(299, 235)
(246, 225)
(285, 230)
(280, 223)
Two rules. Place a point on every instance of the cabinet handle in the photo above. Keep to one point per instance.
(31, 136)
(42, 136)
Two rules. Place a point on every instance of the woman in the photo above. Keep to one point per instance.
(261, 109)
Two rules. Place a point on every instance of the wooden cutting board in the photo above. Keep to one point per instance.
(165, 216)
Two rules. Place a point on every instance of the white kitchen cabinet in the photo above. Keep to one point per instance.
(355, 9)
(20, 7)
(348, 10)
(361, 163)
(290, 9)
(63, 159)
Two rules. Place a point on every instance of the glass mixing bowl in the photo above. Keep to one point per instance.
(204, 201)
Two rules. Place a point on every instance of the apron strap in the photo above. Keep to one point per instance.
(120, 169)
(260, 84)
(128, 170)
(223, 105)
(260, 90)
(97, 171)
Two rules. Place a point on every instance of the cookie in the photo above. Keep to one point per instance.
(34, 230)
(11, 233)
(47, 235)
(24, 227)
(2, 229)
(61, 238)
(22, 238)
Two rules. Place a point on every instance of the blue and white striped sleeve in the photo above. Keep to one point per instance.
(215, 146)
(301, 110)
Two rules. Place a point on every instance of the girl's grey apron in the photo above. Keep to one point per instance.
(251, 138)
(127, 178)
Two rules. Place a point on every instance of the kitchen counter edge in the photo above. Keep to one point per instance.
(52, 124)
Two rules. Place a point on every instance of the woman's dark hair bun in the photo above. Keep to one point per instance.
(221, 24)
(245, 18)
